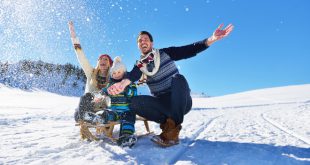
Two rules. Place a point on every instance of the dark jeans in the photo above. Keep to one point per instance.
(85, 104)
(174, 104)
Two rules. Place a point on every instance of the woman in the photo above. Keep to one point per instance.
(97, 78)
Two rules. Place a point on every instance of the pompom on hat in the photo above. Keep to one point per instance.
(117, 65)
(107, 56)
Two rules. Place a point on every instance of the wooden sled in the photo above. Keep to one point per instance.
(90, 131)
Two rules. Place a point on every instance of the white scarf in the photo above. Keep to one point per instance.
(144, 70)
(156, 62)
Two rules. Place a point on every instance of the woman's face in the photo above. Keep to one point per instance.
(104, 63)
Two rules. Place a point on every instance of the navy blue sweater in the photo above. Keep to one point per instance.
(175, 54)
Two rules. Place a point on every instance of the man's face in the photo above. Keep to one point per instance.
(103, 63)
(144, 43)
(118, 74)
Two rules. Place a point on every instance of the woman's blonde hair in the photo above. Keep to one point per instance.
(96, 71)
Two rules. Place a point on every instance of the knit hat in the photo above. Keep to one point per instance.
(117, 65)
(107, 56)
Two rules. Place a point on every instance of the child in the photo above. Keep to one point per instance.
(120, 105)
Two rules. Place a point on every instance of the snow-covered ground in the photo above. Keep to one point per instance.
(268, 126)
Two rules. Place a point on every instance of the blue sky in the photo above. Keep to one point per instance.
(269, 46)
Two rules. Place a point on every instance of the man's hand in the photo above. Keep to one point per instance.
(219, 33)
(119, 87)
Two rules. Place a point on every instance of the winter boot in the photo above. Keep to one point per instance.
(127, 140)
(169, 135)
(108, 115)
(92, 118)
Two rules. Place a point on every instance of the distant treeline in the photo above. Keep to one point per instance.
(64, 79)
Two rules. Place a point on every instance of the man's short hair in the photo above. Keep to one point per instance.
(146, 33)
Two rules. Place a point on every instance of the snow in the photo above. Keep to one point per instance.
(267, 126)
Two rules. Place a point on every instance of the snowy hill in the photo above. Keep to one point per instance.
(267, 126)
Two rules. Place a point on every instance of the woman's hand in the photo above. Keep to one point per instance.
(71, 29)
(74, 39)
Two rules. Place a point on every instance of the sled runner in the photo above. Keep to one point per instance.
(92, 132)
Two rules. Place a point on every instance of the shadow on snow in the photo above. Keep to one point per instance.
(214, 152)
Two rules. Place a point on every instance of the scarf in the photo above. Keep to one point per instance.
(145, 62)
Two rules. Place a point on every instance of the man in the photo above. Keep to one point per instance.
(170, 99)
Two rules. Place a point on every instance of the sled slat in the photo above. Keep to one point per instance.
(106, 129)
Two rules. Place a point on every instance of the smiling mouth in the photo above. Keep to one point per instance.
(117, 77)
